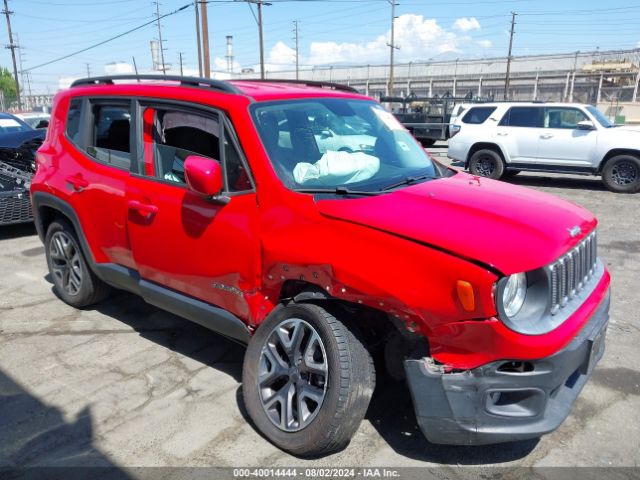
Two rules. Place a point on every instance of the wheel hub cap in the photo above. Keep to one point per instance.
(65, 263)
(292, 375)
(486, 166)
(624, 173)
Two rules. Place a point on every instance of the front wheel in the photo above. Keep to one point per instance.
(621, 174)
(486, 163)
(307, 380)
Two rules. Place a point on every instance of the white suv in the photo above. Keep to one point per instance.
(500, 139)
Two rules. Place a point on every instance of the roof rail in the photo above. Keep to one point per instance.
(185, 81)
(309, 83)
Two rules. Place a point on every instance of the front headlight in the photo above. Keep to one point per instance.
(514, 294)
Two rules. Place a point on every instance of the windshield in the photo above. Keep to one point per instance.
(329, 143)
(600, 117)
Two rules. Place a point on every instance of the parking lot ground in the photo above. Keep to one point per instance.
(126, 384)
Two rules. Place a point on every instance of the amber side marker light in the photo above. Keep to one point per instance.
(465, 294)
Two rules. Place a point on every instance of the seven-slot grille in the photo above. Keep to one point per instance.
(570, 273)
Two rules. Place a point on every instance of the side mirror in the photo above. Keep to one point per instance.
(204, 177)
(586, 125)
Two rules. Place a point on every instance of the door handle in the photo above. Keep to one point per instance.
(77, 182)
(546, 136)
(145, 209)
(502, 134)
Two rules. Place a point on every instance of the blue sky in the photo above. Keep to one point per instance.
(333, 31)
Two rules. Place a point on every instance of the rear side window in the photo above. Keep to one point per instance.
(478, 115)
(73, 120)
(111, 133)
(522, 117)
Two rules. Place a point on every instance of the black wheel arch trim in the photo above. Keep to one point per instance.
(43, 199)
(481, 146)
(614, 152)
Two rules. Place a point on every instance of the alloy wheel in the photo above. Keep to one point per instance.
(65, 262)
(292, 375)
(485, 166)
(624, 173)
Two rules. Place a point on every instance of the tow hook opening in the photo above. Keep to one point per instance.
(516, 367)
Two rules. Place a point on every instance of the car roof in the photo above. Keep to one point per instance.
(523, 104)
(256, 90)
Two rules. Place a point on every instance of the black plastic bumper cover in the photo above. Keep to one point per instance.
(487, 405)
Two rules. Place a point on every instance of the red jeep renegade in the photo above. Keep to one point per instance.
(302, 219)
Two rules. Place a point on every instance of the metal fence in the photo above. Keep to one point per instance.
(588, 77)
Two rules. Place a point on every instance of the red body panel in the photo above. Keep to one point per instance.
(401, 253)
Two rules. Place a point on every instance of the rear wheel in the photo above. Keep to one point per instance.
(307, 380)
(621, 174)
(427, 142)
(487, 163)
(73, 280)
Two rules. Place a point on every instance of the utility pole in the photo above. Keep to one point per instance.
(195, 5)
(507, 79)
(296, 38)
(261, 39)
(180, 55)
(12, 47)
(164, 70)
(258, 20)
(392, 45)
(88, 70)
(205, 40)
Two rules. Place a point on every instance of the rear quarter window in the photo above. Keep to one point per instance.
(478, 115)
(73, 119)
(522, 117)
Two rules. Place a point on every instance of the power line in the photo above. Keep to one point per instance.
(107, 40)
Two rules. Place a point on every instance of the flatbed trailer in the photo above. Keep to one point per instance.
(427, 118)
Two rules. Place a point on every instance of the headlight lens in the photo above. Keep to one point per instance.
(514, 294)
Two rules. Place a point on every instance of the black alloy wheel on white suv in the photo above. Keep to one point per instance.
(621, 174)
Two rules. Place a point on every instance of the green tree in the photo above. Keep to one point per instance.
(7, 85)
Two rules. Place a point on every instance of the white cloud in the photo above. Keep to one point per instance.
(466, 24)
(220, 64)
(484, 43)
(417, 37)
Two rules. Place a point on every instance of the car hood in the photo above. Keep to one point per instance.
(502, 226)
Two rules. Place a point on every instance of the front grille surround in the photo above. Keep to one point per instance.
(571, 273)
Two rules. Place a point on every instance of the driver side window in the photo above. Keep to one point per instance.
(566, 118)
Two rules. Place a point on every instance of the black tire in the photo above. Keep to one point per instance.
(427, 142)
(74, 282)
(487, 163)
(350, 380)
(621, 174)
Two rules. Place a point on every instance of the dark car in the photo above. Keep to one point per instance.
(18, 145)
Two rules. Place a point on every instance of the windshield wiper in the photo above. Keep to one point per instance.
(409, 181)
(337, 191)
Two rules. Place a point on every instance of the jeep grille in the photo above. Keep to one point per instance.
(570, 273)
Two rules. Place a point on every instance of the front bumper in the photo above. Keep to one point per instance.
(491, 404)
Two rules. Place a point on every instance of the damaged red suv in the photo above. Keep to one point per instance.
(302, 219)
